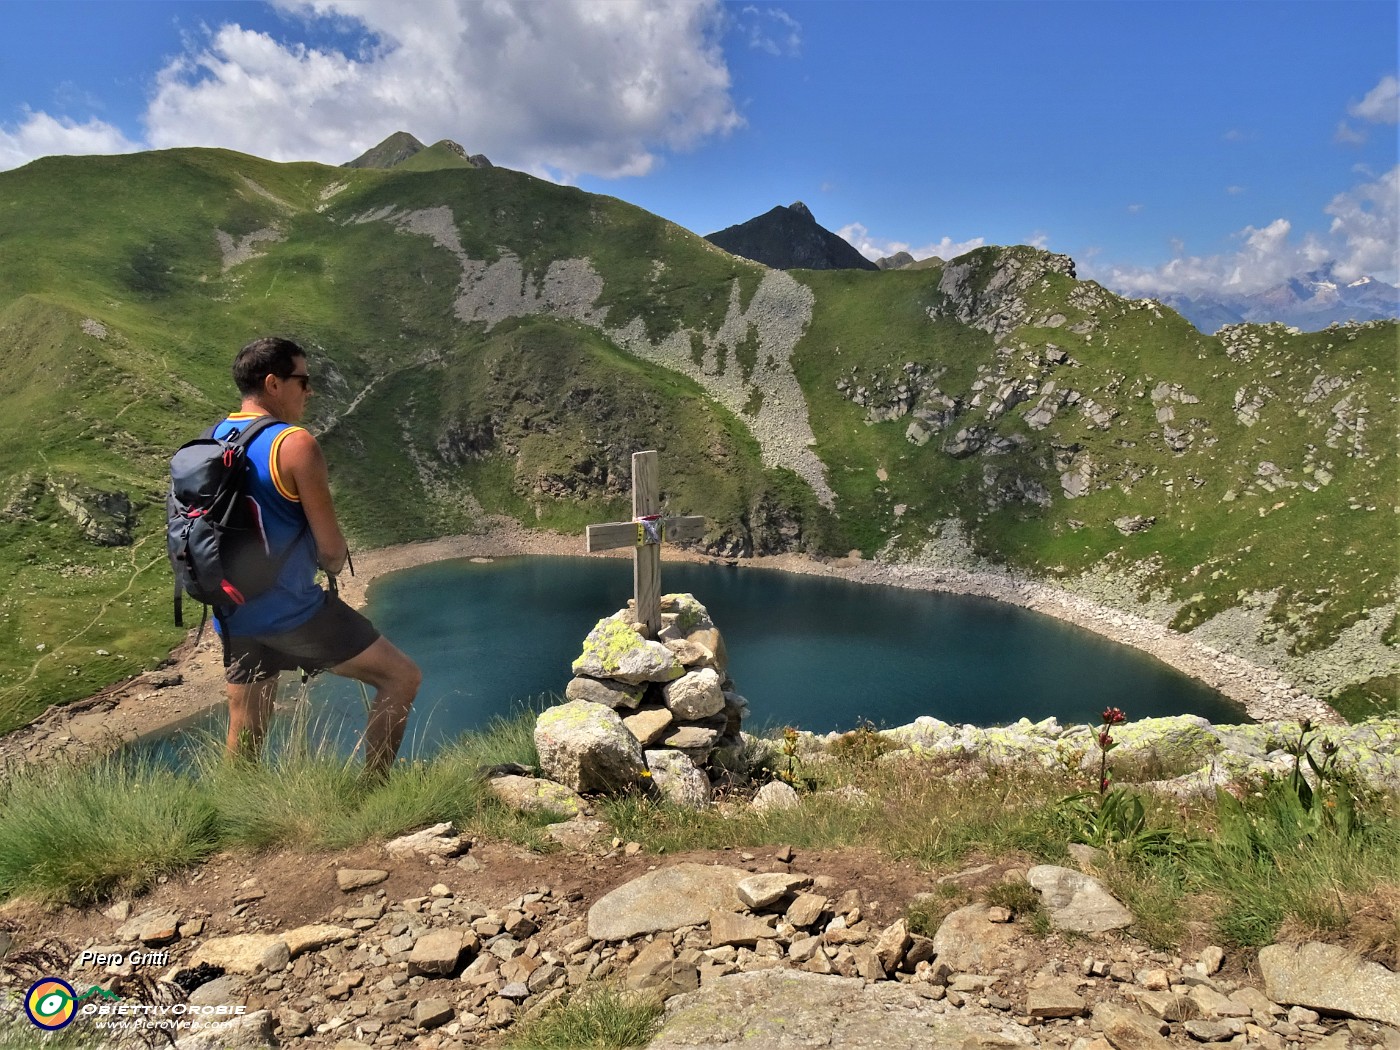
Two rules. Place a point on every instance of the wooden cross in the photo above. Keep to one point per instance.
(645, 533)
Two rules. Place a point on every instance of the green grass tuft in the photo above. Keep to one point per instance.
(595, 1017)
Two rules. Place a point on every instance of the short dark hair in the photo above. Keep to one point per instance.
(269, 356)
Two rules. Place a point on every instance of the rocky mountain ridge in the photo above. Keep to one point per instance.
(401, 147)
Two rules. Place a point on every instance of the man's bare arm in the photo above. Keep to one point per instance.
(303, 470)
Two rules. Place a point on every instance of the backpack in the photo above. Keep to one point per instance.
(213, 530)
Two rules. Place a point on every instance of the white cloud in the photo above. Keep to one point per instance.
(40, 135)
(1363, 238)
(1366, 225)
(771, 29)
(561, 89)
(1136, 209)
(1381, 104)
(1234, 191)
(1347, 135)
(947, 248)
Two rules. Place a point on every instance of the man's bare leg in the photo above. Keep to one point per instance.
(249, 711)
(395, 679)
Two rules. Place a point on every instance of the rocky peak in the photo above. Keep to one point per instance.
(401, 147)
(393, 151)
(790, 239)
(897, 261)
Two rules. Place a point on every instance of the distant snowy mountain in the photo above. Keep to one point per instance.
(1310, 302)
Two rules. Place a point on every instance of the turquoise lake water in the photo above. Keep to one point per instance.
(813, 652)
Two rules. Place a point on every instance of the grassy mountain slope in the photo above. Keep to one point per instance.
(1261, 490)
(483, 340)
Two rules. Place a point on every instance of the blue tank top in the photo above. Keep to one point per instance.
(296, 596)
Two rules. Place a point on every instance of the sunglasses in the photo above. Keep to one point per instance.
(302, 377)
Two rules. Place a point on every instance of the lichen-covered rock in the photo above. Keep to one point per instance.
(586, 748)
(695, 695)
(614, 650)
(684, 613)
(678, 778)
(1173, 745)
(534, 795)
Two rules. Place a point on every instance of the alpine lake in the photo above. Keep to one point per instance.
(817, 653)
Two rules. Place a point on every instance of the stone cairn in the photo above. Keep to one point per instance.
(646, 714)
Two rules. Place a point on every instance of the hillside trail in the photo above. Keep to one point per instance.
(51, 652)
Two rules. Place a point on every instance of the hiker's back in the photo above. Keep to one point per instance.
(295, 596)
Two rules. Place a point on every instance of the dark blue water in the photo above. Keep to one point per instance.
(813, 652)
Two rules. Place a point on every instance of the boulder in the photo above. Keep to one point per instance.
(351, 879)
(247, 953)
(439, 840)
(535, 795)
(695, 695)
(1330, 978)
(1128, 1029)
(1076, 901)
(615, 694)
(1054, 1000)
(581, 833)
(436, 953)
(741, 930)
(665, 899)
(586, 747)
(614, 650)
(678, 779)
(778, 1009)
(648, 723)
(247, 1032)
(968, 941)
(759, 891)
(775, 795)
(1129, 524)
(694, 741)
(314, 937)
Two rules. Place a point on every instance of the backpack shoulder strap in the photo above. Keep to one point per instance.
(244, 437)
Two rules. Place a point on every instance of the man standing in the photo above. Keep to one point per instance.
(297, 624)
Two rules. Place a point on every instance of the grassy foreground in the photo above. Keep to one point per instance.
(1298, 857)
(1267, 860)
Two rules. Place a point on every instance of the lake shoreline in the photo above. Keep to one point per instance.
(152, 703)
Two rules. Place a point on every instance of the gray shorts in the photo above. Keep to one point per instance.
(336, 633)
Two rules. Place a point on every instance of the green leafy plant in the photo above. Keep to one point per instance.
(1288, 812)
(1114, 818)
(1117, 821)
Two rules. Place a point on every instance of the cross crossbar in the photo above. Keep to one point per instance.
(645, 533)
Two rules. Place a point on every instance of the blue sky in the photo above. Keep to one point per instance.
(1166, 145)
